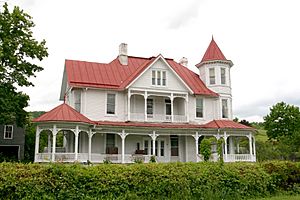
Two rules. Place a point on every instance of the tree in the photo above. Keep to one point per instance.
(245, 122)
(18, 50)
(283, 126)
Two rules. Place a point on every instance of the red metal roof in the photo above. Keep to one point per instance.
(213, 52)
(216, 124)
(117, 76)
(63, 113)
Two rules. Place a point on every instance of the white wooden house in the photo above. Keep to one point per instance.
(135, 107)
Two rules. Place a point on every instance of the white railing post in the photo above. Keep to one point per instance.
(76, 142)
(225, 146)
(54, 132)
(123, 136)
(196, 137)
(49, 142)
(37, 143)
(128, 105)
(153, 137)
(254, 150)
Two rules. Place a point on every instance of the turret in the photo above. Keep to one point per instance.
(214, 71)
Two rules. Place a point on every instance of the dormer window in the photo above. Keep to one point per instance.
(212, 77)
(159, 78)
(223, 76)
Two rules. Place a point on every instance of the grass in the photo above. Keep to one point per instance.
(284, 197)
(261, 135)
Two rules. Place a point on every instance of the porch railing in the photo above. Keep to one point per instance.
(157, 117)
(240, 157)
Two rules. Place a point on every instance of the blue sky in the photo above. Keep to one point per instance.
(260, 37)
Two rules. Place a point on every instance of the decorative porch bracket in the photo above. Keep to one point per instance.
(196, 137)
(123, 136)
(153, 137)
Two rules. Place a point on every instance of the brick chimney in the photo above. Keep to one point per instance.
(123, 56)
(184, 61)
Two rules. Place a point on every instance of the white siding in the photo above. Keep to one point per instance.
(173, 82)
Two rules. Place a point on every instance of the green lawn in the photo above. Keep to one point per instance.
(285, 197)
(261, 135)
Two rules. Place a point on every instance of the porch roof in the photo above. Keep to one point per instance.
(63, 113)
(225, 124)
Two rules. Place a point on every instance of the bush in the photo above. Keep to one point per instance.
(206, 180)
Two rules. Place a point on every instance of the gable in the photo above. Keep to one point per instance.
(159, 66)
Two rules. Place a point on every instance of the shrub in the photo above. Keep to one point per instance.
(206, 180)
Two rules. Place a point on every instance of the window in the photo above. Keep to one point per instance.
(164, 78)
(150, 107)
(223, 76)
(111, 104)
(159, 78)
(212, 77)
(110, 140)
(199, 108)
(224, 108)
(77, 100)
(8, 132)
(162, 148)
(174, 145)
(153, 77)
(146, 147)
(168, 107)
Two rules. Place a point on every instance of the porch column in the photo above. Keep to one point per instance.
(172, 107)
(145, 109)
(187, 107)
(196, 137)
(250, 143)
(54, 132)
(254, 150)
(123, 136)
(76, 133)
(225, 146)
(128, 105)
(49, 142)
(153, 137)
(37, 143)
(90, 135)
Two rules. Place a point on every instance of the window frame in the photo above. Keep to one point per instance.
(200, 98)
(159, 78)
(115, 104)
(210, 76)
(79, 93)
(150, 114)
(222, 69)
(11, 134)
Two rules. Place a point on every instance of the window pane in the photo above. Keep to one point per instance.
(164, 77)
(110, 104)
(146, 147)
(168, 107)
(212, 79)
(153, 77)
(224, 108)
(174, 145)
(150, 106)
(223, 76)
(8, 132)
(199, 107)
(158, 78)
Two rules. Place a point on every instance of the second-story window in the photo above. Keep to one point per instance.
(224, 108)
(159, 78)
(8, 132)
(223, 76)
(77, 100)
(199, 108)
(111, 104)
(212, 76)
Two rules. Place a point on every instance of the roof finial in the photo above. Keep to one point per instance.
(212, 36)
(65, 96)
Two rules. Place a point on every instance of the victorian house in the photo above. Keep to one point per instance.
(136, 107)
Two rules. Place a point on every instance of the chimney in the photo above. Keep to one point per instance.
(183, 61)
(123, 57)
